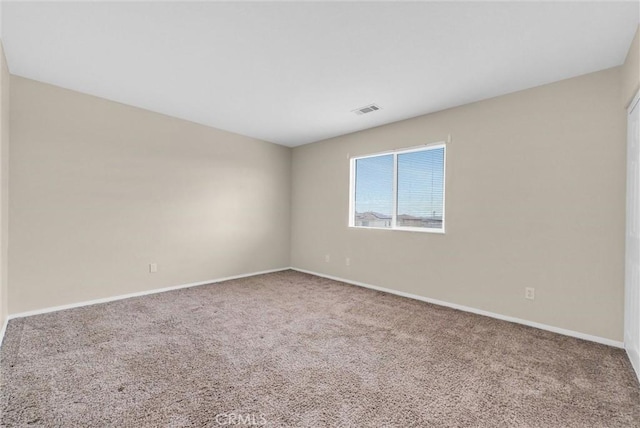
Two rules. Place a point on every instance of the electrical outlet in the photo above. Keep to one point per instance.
(153, 267)
(530, 293)
(347, 261)
(327, 258)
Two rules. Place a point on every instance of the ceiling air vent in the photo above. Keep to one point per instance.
(366, 109)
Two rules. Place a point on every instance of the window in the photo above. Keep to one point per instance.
(402, 190)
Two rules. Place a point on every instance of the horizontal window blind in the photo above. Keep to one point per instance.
(421, 189)
(374, 191)
(402, 190)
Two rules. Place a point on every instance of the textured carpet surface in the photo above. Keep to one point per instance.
(290, 349)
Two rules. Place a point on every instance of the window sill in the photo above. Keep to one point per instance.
(402, 229)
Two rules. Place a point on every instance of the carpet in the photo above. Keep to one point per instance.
(289, 349)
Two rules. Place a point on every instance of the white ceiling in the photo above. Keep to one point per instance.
(291, 73)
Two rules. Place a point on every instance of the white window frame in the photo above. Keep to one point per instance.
(395, 153)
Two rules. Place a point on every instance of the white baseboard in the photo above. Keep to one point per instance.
(634, 357)
(553, 329)
(137, 294)
(4, 330)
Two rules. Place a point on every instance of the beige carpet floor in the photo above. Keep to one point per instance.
(290, 349)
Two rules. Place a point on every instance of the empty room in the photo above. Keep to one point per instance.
(319, 214)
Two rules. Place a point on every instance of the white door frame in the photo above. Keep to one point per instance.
(632, 238)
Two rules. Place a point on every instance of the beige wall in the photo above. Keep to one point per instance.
(535, 198)
(631, 71)
(99, 190)
(4, 184)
